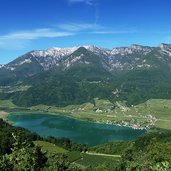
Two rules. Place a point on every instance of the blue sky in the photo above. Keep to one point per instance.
(27, 25)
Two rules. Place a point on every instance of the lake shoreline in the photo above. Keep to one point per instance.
(79, 131)
(3, 115)
(66, 115)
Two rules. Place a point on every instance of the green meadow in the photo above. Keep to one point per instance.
(104, 111)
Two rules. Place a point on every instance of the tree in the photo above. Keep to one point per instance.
(101, 168)
(59, 162)
(23, 157)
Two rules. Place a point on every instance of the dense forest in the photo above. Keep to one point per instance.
(81, 82)
(18, 152)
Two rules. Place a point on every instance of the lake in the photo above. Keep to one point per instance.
(78, 131)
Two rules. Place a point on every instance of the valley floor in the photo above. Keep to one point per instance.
(154, 113)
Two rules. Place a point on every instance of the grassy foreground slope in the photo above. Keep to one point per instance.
(49, 147)
(83, 160)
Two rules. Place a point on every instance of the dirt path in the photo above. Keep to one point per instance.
(167, 120)
(101, 154)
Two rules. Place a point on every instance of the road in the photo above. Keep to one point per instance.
(101, 154)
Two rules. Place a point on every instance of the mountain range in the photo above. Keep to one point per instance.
(117, 58)
(64, 76)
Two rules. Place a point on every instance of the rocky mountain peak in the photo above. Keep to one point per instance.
(138, 47)
(164, 46)
(1, 65)
(130, 50)
(54, 52)
(98, 50)
(165, 49)
(124, 58)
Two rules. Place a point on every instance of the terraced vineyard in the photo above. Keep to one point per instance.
(83, 160)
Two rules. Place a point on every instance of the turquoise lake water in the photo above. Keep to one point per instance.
(78, 131)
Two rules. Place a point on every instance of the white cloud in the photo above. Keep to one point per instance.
(82, 28)
(34, 34)
(115, 32)
(88, 2)
(22, 39)
(75, 27)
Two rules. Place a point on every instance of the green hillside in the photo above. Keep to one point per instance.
(22, 150)
(49, 147)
